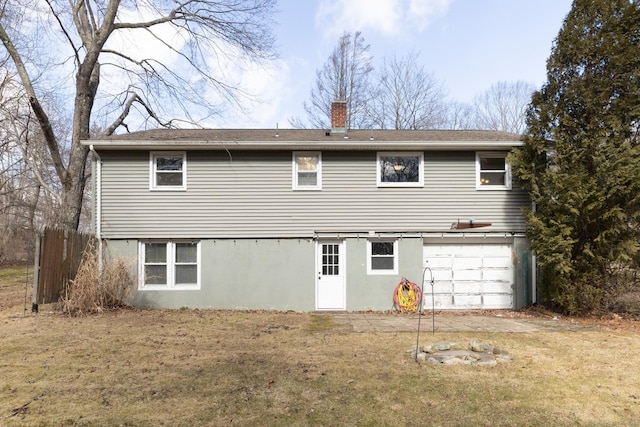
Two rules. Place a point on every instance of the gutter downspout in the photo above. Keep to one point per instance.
(534, 268)
(98, 211)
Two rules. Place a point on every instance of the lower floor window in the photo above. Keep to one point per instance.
(382, 257)
(170, 265)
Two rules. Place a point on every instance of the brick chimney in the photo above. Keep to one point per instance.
(339, 117)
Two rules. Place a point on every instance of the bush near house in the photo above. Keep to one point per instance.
(93, 290)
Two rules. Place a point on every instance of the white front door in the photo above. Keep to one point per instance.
(330, 284)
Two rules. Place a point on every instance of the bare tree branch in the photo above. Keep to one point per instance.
(42, 116)
(503, 106)
(407, 96)
(346, 77)
(193, 34)
(134, 98)
(65, 32)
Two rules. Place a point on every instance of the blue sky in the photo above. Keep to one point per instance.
(468, 45)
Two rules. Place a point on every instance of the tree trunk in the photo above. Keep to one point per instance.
(73, 182)
(72, 192)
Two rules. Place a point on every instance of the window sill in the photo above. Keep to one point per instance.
(382, 273)
(168, 189)
(169, 288)
(492, 188)
(401, 185)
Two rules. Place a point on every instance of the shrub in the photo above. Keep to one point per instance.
(93, 291)
(628, 303)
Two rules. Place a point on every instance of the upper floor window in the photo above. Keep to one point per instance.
(307, 170)
(400, 169)
(493, 171)
(382, 257)
(168, 171)
(169, 265)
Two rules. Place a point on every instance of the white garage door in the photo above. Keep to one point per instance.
(469, 276)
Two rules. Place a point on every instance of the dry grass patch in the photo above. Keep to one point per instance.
(320, 322)
(192, 367)
(15, 283)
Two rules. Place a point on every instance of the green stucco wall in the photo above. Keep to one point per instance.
(241, 274)
(280, 274)
(375, 292)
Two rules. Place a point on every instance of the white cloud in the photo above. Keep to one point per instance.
(389, 17)
(267, 84)
(422, 12)
(336, 16)
(261, 88)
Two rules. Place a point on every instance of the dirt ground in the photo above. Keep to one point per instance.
(204, 367)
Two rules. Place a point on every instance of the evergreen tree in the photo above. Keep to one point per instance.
(581, 158)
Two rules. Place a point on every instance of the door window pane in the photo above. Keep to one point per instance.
(330, 259)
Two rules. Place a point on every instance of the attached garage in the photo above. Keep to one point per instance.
(470, 273)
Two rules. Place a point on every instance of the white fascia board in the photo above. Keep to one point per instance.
(348, 145)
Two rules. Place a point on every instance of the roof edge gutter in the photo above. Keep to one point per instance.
(346, 145)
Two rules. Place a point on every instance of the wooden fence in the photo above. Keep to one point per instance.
(57, 258)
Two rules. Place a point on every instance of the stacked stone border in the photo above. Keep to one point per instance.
(451, 353)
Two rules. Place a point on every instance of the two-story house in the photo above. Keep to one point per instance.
(313, 219)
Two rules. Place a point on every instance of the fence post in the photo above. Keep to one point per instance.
(36, 274)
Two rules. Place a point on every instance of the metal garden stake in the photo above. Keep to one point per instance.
(433, 308)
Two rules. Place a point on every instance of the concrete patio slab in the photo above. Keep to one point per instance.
(450, 322)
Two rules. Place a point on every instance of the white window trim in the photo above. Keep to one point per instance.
(152, 171)
(370, 270)
(418, 154)
(507, 178)
(170, 246)
(294, 169)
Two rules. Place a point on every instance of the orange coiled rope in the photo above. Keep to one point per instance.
(407, 296)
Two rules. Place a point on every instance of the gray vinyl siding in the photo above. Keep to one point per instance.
(249, 195)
